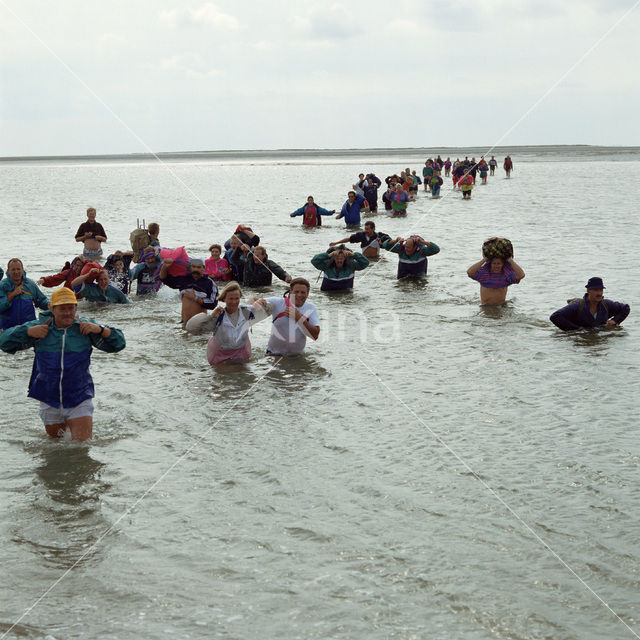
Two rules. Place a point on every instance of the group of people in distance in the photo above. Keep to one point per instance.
(62, 340)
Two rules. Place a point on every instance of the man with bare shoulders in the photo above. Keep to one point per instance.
(495, 276)
(92, 235)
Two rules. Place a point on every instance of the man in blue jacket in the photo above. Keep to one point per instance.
(60, 377)
(351, 209)
(593, 310)
(18, 296)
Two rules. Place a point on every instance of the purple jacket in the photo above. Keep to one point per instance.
(573, 317)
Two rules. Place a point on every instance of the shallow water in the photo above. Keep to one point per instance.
(430, 469)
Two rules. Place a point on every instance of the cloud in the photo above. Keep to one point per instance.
(322, 23)
(112, 38)
(191, 64)
(207, 15)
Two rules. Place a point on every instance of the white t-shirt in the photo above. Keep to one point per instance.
(233, 336)
(287, 336)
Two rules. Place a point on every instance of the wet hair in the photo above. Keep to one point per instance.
(15, 260)
(370, 223)
(228, 288)
(302, 281)
(215, 246)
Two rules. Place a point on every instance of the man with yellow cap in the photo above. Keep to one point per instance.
(60, 377)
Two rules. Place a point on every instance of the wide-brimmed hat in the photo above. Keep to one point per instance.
(63, 295)
(595, 283)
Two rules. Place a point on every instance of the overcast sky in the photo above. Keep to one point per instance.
(133, 76)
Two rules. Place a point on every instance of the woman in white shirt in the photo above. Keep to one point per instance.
(230, 325)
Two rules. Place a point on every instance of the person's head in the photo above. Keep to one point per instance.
(310, 200)
(102, 280)
(299, 291)
(361, 176)
(15, 269)
(91, 214)
(118, 264)
(351, 195)
(196, 267)
(77, 263)
(595, 289)
(410, 245)
(63, 306)
(260, 254)
(369, 227)
(153, 228)
(215, 250)
(496, 265)
(398, 187)
(234, 241)
(231, 295)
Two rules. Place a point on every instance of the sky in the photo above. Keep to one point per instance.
(147, 76)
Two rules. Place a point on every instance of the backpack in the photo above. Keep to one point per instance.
(581, 306)
(139, 239)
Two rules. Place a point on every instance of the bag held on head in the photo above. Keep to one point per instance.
(497, 248)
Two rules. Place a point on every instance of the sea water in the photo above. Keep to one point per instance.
(430, 469)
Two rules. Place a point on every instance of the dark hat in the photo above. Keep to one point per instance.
(595, 283)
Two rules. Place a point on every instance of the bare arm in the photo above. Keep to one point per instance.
(332, 244)
(517, 269)
(473, 269)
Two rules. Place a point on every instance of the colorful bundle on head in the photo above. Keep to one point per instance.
(497, 248)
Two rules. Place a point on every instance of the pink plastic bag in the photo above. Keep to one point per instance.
(180, 266)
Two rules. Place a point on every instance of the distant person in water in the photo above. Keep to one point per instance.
(99, 291)
(311, 213)
(493, 163)
(592, 310)
(147, 273)
(351, 209)
(508, 166)
(369, 240)
(154, 231)
(60, 377)
(257, 269)
(495, 276)
(197, 291)
(399, 200)
(92, 235)
(217, 267)
(18, 296)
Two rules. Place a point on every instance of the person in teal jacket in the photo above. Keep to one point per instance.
(60, 377)
(412, 255)
(18, 296)
(100, 290)
(311, 213)
(339, 265)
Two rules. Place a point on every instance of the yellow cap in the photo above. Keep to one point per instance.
(63, 295)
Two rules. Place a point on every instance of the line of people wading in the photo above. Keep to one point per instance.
(62, 340)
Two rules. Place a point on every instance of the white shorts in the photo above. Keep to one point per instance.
(59, 415)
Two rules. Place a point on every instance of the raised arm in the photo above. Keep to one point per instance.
(517, 269)
(80, 280)
(474, 268)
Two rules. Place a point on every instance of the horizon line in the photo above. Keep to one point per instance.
(323, 150)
